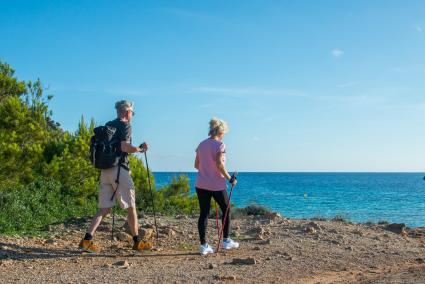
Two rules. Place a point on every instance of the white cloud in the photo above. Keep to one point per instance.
(337, 53)
(256, 139)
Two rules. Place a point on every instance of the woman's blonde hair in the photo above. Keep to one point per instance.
(217, 126)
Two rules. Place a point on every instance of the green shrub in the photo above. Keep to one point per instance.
(28, 209)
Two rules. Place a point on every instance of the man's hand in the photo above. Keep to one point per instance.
(143, 147)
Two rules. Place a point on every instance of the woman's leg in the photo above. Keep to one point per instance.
(222, 199)
(204, 197)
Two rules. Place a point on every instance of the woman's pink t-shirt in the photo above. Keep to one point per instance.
(209, 176)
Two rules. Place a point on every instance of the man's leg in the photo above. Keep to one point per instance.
(97, 219)
(132, 221)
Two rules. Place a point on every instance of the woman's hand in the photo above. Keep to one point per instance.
(233, 181)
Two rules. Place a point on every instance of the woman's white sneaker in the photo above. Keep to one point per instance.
(206, 249)
(229, 244)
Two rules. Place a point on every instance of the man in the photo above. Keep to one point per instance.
(123, 191)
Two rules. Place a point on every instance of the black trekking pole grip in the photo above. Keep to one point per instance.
(153, 201)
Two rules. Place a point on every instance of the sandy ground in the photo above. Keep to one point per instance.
(273, 250)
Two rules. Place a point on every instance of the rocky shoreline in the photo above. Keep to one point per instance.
(273, 250)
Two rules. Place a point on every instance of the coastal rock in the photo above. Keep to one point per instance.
(259, 233)
(225, 277)
(105, 228)
(274, 216)
(265, 242)
(244, 261)
(357, 232)
(212, 266)
(314, 225)
(397, 228)
(146, 233)
(168, 231)
(418, 232)
(123, 237)
(236, 234)
(51, 242)
(310, 230)
(122, 264)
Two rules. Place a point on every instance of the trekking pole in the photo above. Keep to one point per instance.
(216, 219)
(225, 215)
(117, 182)
(153, 202)
(113, 224)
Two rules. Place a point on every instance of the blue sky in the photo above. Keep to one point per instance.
(304, 85)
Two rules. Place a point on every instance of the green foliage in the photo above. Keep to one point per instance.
(25, 209)
(176, 198)
(9, 85)
(45, 173)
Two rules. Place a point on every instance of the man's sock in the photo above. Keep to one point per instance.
(136, 238)
(88, 237)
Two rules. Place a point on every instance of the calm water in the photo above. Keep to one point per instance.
(360, 197)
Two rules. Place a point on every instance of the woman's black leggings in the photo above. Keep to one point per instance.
(204, 197)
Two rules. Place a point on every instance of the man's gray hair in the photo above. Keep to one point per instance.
(217, 126)
(123, 106)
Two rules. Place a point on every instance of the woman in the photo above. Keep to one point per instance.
(211, 182)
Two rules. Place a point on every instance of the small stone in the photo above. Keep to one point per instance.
(146, 233)
(51, 242)
(230, 277)
(310, 230)
(122, 263)
(170, 232)
(275, 216)
(256, 248)
(397, 228)
(124, 237)
(244, 261)
(212, 266)
(268, 258)
(358, 232)
(314, 225)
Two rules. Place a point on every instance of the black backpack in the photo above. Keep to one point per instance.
(104, 147)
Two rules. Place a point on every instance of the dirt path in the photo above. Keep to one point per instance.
(273, 250)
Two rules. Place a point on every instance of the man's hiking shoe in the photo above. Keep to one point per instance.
(229, 244)
(88, 246)
(205, 249)
(141, 245)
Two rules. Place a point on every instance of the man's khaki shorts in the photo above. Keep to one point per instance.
(125, 194)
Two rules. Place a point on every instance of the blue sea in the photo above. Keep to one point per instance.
(359, 197)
